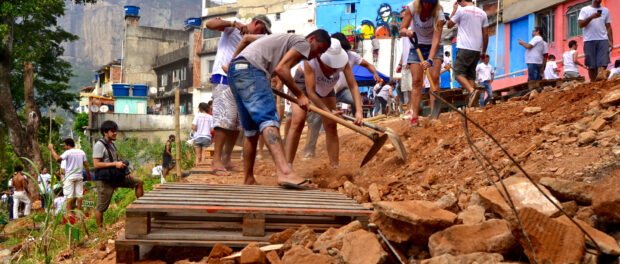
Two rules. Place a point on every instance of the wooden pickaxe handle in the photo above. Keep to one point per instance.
(372, 135)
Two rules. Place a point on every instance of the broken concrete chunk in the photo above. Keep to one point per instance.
(373, 192)
(362, 247)
(252, 254)
(598, 124)
(606, 198)
(566, 190)
(531, 110)
(492, 236)
(553, 241)
(523, 193)
(471, 215)
(301, 255)
(473, 258)
(586, 137)
(612, 98)
(448, 202)
(607, 243)
(304, 236)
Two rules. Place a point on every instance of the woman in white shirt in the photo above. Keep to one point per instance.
(317, 79)
(570, 61)
(426, 19)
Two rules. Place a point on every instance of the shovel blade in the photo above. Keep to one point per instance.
(436, 108)
(379, 142)
(397, 143)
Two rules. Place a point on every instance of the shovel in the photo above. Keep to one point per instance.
(379, 140)
(436, 102)
(392, 135)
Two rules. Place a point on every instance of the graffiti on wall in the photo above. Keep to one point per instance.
(385, 25)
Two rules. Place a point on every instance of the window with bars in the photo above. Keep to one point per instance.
(572, 21)
(546, 20)
(350, 8)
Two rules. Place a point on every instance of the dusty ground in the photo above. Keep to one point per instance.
(440, 160)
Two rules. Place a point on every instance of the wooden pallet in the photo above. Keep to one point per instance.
(200, 215)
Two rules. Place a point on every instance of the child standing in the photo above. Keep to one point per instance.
(202, 127)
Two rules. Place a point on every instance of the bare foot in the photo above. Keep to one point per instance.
(250, 181)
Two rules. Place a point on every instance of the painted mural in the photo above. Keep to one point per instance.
(372, 19)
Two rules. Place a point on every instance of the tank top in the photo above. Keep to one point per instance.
(569, 63)
(323, 84)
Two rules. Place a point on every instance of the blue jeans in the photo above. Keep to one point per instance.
(346, 97)
(489, 90)
(255, 101)
(533, 72)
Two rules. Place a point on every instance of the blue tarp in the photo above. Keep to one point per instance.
(365, 78)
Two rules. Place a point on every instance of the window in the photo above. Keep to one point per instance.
(164, 80)
(207, 33)
(277, 16)
(546, 20)
(183, 73)
(350, 9)
(290, 31)
(572, 23)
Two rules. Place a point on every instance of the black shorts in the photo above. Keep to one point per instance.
(167, 162)
(465, 63)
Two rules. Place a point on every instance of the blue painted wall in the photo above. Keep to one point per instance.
(499, 66)
(520, 29)
(129, 105)
(372, 18)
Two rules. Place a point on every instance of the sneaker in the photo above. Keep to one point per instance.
(408, 115)
(473, 98)
(308, 156)
(414, 122)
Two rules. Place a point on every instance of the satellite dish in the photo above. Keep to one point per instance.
(94, 108)
(104, 109)
(153, 90)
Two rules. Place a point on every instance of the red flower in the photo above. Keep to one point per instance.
(64, 220)
(72, 220)
(86, 214)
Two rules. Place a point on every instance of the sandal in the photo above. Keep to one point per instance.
(221, 172)
(298, 186)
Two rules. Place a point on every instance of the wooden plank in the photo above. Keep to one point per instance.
(257, 204)
(237, 244)
(199, 234)
(218, 198)
(181, 224)
(220, 209)
(137, 223)
(126, 253)
(254, 225)
(247, 194)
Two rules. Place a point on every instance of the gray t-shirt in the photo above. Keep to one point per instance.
(266, 52)
(100, 152)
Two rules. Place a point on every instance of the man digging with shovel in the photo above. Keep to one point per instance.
(317, 79)
(255, 61)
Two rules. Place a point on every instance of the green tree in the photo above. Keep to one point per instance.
(31, 71)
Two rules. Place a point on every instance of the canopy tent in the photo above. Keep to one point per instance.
(365, 78)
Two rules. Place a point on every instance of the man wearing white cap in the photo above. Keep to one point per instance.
(317, 79)
(226, 119)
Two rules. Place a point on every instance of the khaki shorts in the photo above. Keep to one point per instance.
(105, 191)
(406, 81)
(73, 188)
(225, 113)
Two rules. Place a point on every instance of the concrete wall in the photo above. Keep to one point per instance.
(299, 17)
(144, 126)
(130, 105)
(142, 45)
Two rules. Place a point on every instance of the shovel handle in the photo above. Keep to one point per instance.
(366, 124)
(414, 42)
(323, 113)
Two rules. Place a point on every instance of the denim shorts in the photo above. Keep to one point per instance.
(202, 142)
(597, 53)
(255, 100)
(425, 50)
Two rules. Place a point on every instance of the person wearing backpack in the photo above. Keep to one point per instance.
(111, 172)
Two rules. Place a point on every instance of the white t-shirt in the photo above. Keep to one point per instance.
(535, 55)
(384, 92)
(323, 84)
(203, 123)
(74, 165)
(549, 71)
(471, 20)
(569, 63)
(229, 40)
(354, 59)
(614, 71)
(406, 44)
(484, 72)
(59, 203)
(596, 29)
(44, 181)
(425, 29)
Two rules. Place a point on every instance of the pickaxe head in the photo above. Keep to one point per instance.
(379, 142)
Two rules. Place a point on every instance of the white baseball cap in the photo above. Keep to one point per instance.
(335, 57)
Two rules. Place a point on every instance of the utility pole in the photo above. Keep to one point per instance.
(177, 128)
